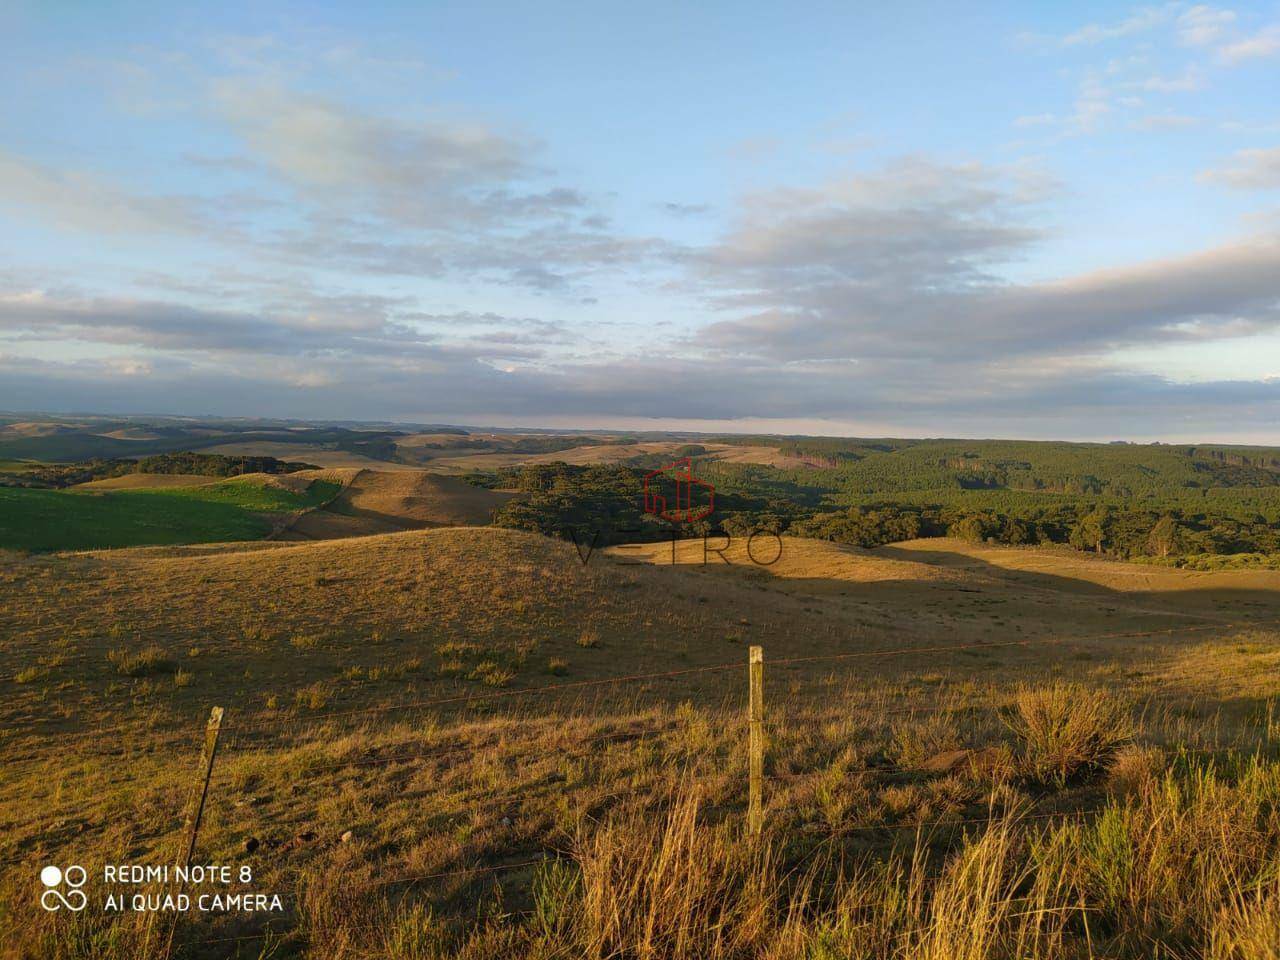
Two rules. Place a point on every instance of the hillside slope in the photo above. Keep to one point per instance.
(375, 501)
(428, 610)
(406, 716)
(136, 481)
(91, 518)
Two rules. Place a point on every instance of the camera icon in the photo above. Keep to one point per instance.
(53, 898)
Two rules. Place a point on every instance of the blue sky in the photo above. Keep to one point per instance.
(1016, 220)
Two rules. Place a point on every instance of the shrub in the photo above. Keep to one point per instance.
(492, 674)
(917, 739)
(141, 663)
(452, 668)
(1067, 732)
(314, 696)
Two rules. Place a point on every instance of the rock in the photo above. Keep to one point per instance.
(946, 762)
(347, 837)
(506, 821)
(300, 840)
(985, 761)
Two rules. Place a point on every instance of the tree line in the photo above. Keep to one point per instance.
(607, 500)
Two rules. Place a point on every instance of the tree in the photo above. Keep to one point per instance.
(1165, 537)
(1015, 531)
(1090, 532)
(968, 528)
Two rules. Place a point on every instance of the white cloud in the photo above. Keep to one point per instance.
(317, 327)
(1191, 79)
(1265, 43)
(86, 202)
(1165, 121)
(908, 269)
(1257, 169)
(1202, 25)
(427, 173)
(1141, 21)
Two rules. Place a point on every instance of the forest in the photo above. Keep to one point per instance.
(56, 476)
(1200, 506)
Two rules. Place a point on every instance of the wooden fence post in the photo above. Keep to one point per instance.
(195, 813)
(755, 728)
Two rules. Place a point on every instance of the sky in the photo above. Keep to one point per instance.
(1050, 221)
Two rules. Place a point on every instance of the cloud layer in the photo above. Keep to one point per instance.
(356, 259)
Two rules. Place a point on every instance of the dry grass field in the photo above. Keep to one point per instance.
(463, 460)
(972, 752)
(135, 481)
(432, 452)
(319, 454)
(378, 501)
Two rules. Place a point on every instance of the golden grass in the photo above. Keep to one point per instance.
(137, 481)
(1085, 794)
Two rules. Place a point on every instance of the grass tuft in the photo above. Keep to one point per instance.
(1068, 733)
(141, 663)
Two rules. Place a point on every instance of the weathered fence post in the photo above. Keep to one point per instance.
(195, 812)
(755, 744)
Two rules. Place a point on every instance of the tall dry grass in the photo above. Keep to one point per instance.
(1185, 869)
(1068, 732)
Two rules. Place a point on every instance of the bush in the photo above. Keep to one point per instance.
(1068, 733)
(492, 674)
(141, 663)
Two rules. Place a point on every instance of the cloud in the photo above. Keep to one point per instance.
(1265, 43)
(317, 328)
(85, 202)
(685, 209)
(425, 196)
(1165, 121)
(904, 266)
(1231, 291)
(428, 173)
(1141, 21)
(914, 222)
(873, 298)
(879, 295)
(1202, 25)
(1249, 170)
(1191, 79)
(317, 181)
(1036, 120)
(1012, 398)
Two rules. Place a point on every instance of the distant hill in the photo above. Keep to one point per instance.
(57, 475)
(240, 508)
(383, 502)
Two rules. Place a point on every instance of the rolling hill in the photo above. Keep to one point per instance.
(426, 721)
(90, 516)
(375, 501)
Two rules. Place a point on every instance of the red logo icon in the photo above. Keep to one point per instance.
(669, 493)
